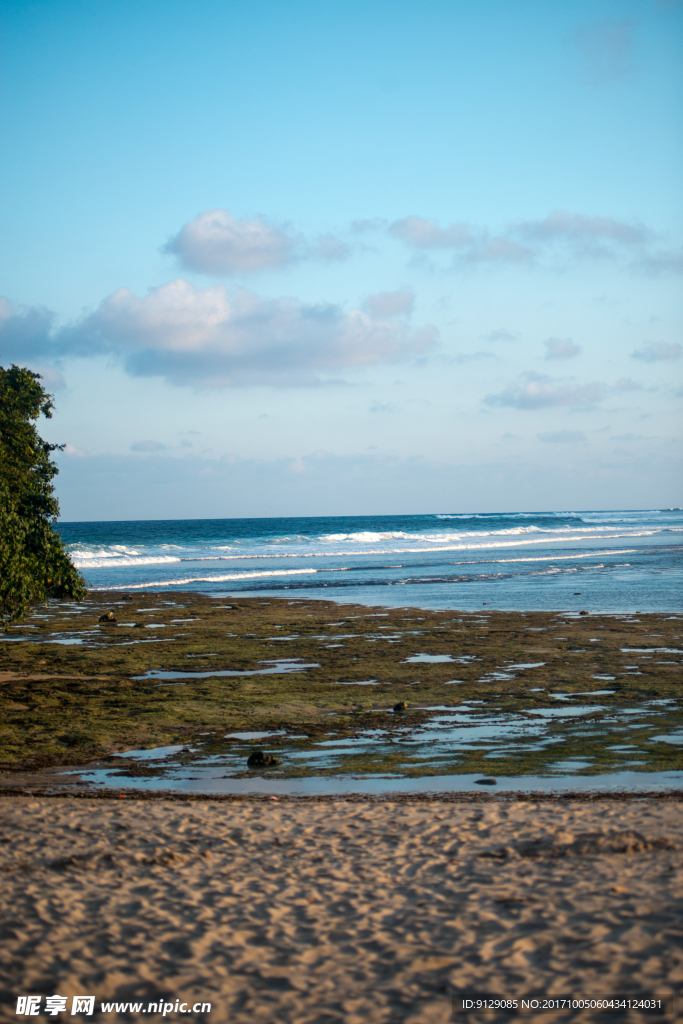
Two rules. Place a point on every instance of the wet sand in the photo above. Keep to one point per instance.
(340, 911)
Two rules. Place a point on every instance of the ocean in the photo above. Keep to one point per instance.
(601, 561)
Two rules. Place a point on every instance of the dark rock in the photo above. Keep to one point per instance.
(138, 625)
(127, 597)
(401, 706)
(584, 613)
(107, 617)
(257, 759)
(486, 782)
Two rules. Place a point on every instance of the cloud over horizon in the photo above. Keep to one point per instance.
(657, 352)
(539, 392)
(210, 337)
(148, 446)
(562, 437)
(501, 334)
(390, 304)
(561, 348)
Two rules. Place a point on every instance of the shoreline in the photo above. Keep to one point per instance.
(466, 797)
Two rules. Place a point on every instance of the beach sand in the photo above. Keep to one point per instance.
(350, 911)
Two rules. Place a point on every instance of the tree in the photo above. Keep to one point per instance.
(34, 564)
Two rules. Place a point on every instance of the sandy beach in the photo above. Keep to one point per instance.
(351, 911)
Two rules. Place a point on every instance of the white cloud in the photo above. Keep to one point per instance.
(25, 338)
(52, 379)
(209, 337)
(661, 261)
(538, 392)
(386, 406)
(572, 236)
(330, 249)
(148, 446)
(656, 352)
(628, 384)
(562, 437)
(24, 332)
(468, 357)
(426, 234)
(501, 334)
(561, 348)
(588, 235)
(474, 245)
(389, 304)
(212, 337)
(79, 453)
(215, 242)
(372, 224)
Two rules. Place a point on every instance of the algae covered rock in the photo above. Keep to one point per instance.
(257, 759)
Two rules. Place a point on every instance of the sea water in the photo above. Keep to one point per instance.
(608, 561)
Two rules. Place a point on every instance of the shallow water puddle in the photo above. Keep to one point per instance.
(253, 735)
(356, 682)
(277, 667)
(212, 781)
(428, 659)
(588, 709)
(651, 650)
(673, 737)
(526, 664)
(153, 754)
(446, 747)
(67, 643)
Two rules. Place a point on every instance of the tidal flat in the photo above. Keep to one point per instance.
(181, 684)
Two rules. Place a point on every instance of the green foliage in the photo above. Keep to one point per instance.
(33, 562)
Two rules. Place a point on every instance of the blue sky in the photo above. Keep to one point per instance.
(337, 258)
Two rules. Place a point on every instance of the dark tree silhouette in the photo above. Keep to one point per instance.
(33, 562)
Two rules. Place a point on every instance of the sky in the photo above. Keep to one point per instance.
(339, 258)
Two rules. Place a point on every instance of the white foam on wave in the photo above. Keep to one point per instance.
(113, 561)
(371, 537)
(227, 578)
(432, 538)
(520, 533)
(106, 561)
(233, 576)
(553, 558)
